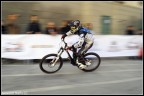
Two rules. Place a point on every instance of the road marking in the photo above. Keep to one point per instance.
(119, 64)
(130, 70)
(71, 65)
(73, 86)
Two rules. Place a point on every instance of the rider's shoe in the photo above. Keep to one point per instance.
(88, 62)
(80, 65)
(73, 63)
(68, 58)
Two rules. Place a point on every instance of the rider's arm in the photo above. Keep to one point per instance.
(67, 34)
(80, 42)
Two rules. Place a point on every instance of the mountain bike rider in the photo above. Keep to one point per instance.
(85, 42)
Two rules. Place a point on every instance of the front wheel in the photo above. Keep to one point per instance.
(92, 60)
(49, 64)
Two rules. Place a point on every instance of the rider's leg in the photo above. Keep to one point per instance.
(74, 55)
(74, 52)
(82, 51)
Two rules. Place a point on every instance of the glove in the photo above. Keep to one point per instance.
(63, 36)
(69, 48)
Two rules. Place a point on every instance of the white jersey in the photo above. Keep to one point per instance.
(85, 36)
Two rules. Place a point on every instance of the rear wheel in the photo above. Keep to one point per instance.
(92, 60)
(47, 65)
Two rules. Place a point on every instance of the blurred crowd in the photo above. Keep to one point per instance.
(131, 31)
(9, 26)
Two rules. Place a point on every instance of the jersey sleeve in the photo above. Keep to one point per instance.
(80, 42)
(69, 33)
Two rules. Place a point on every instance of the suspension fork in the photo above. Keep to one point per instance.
(57, 57)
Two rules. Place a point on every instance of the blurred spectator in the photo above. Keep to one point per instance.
(140, 53)
(51, 29)
(4, 31)
(130, 30)
(64, 28)
(89, 26)
(140, 32)
(34, 25)
(34, 28)
(83, 24)
(12, 27)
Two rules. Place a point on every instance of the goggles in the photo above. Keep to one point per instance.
(73, 28)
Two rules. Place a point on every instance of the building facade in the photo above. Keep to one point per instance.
(106, 17)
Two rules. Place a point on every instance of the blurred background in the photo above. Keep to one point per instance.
(118, 29)
(111, 17)
(52, 17)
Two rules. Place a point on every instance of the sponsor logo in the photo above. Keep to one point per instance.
(113, 47)
(13, 47)
(132, 45)
(42, 46)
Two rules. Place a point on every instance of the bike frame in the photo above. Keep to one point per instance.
(61, 50)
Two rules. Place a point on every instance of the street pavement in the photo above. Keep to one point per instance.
(113, 77)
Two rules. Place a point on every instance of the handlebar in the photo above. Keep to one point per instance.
(65, 44)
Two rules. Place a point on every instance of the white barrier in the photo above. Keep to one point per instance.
(36, 46)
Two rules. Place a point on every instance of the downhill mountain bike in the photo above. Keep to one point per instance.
(52, 63)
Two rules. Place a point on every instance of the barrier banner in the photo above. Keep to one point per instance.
(37, 46)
